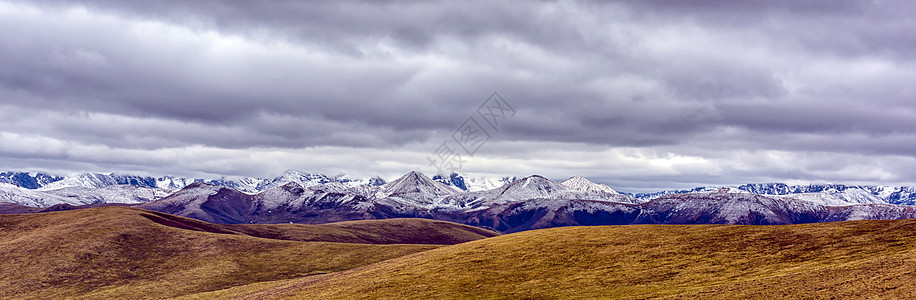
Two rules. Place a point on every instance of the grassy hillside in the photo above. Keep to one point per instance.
(858, 259)
(384, 231)
(118, 252)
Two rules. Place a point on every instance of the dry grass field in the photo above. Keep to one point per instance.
(858, 259)
(126, 253)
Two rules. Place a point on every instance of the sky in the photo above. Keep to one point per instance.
(640, 95)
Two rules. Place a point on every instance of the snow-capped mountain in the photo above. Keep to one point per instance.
(411, 192)
(123, 193)
(579, 183)
(831, 194)
(722, 206)
(727, 206)
(533, 187)
(28, 180)
(473, 184)
(291, 202)
(87, 180)
(646, 197)
(126, 194)
(249, 185)
(846, 193)
(411, 195)
(13, 194)
(527, 203)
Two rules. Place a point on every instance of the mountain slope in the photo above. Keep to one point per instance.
(473, 184)
(728, 206)
(830, 260)
(123, 193)
(28, 180)
(531, 188)
(118, 252)
(291, 203)
(26, 197)
(580, 183)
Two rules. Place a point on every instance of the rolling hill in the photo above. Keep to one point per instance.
(853, 259)
(121, 252)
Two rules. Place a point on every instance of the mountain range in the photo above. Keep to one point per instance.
(504, 204)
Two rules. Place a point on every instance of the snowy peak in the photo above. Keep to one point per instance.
(416, 183)
(84, 180)
(531, 187)
(453, 180)
(473, 184)
(28, 180)
(728, 190)
(728, 206)
(536, 182)
(579, 183)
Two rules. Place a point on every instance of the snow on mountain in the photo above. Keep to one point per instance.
(291, 202)
(292, 195)
(412, 192)
(846, 193)
(301, 178)
(174, 183)
(22, 196)
(727, 206)
(901, 195)
(532, 187)
(192, 199)
(646, 197)
(528, 203)
(870, 212)
(251, 185)
(415, 182)
(128, 194)
(28, 180)
(83, 180)
(81, 195)
(473, 184)
(546, 213)
(580, 183)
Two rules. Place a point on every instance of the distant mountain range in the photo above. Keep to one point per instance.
(504, 204)
(44, 181)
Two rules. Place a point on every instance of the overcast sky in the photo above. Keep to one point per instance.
(640, 95)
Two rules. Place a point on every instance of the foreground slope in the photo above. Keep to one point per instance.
(854, 259)
(119, 252)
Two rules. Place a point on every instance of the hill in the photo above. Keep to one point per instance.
(384, 231)
(854, 259)
(121, 252)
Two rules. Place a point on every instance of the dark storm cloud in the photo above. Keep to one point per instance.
(685, 84)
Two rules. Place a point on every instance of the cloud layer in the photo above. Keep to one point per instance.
(639, 95)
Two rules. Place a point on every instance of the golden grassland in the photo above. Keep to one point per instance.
(126, 253)
(858, 259)
(385, 231)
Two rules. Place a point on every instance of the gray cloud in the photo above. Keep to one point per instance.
(665, 94)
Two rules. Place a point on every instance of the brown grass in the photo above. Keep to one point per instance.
(860, 259)
(385, 231)
(126, 253)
